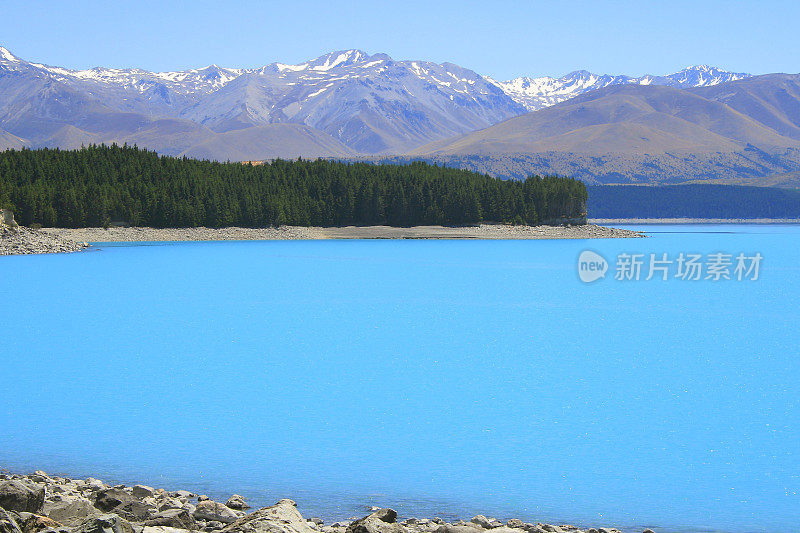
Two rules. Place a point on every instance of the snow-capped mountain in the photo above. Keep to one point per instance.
(371, 103)
(537, 93)
(347, 102)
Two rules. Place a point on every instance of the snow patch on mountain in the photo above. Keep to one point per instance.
(537, 93)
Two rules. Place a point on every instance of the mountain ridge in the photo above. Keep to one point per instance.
(369, 104)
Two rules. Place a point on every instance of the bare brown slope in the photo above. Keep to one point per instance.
(771, 99)
(629, 119)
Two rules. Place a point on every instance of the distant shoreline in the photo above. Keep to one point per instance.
(694, 221)
(483, 231)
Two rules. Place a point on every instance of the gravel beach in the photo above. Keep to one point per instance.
(483, 231)
(41, 503)
(21, 240)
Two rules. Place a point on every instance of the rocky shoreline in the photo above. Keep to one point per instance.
(40, 503)
(21, 240)
(482, 231)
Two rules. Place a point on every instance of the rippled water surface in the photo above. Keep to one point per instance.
(437, 377)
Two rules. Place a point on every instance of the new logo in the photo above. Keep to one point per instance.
(591, 266)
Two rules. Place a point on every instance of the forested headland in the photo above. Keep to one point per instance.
(99, 185)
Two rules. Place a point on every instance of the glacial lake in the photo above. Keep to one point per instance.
(440, 378)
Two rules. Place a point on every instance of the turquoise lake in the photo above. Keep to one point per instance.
(440, 378)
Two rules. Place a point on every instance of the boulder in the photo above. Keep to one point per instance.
(381, 521)
(448, 528)
(190, 507)
(203, 498)
(165, 502)
(213, 525)
(72, 513)
(142, 491)
(36, 523)
(182, 494)
(177, 518)
(481, 521)
(8, 524)
(237, 502)
(93, 484)
(550, 528)
(515, 523)
(7, 218)
(108, 499)
(211, 510)
(106, 523)
(283, 517)
(136, 511)
(162, 529)
(18, 496)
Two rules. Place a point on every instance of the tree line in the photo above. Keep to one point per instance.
(99, 185)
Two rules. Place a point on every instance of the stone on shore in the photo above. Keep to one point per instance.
(34, 523)
(177, 518)
(18, 496)
(142, 491)
(108, 499)
(381, 521)
(8, 523)
(72, 513)
(283, 517)
(452, 528)
(486, 523)
(211, 510)
(237, 502)
(162, 529)
(107, 523)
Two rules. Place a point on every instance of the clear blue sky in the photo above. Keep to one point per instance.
(500, 38)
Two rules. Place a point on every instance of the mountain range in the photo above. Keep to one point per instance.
(701, 123)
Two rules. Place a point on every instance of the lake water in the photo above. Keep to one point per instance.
(437, 377)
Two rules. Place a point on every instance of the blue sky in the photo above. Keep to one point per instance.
(500, 38)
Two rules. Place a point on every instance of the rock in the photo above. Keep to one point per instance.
(162, 529)
(486, 523)
(283, 517)
(142, 491)
(550, 528)
(189, 507)
(106, 523)
(648, 531)
(315, 520)
(381, 521)
(182, 494)
(212, 525)
(36, 523)
(177, 518)
(8, 524)
(169, 503)
(203, 498)
(18, 496)
(136, 511)
(237, 502)
(108, 499)
(515, 523)
(449, 528)
(72, 513)
(93, 484)
(211, 510)
(7, 218)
